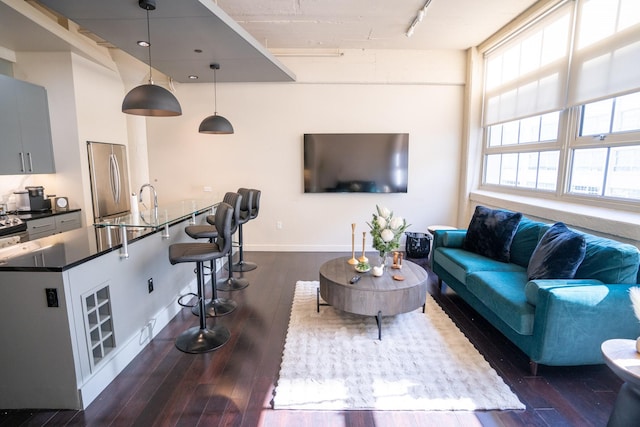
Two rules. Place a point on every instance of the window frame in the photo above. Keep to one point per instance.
(568, 140)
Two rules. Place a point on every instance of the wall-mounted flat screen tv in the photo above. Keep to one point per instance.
(356, 162)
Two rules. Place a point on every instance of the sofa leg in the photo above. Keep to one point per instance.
(533, 366)
(439, 285)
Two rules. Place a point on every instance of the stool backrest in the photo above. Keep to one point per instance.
(223, 217)
(235, 201)
(245, 206)
(255, 208)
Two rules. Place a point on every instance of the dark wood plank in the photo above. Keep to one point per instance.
(234, 386)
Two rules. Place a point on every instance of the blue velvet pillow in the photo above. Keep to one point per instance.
(491, 232)
(557, 255)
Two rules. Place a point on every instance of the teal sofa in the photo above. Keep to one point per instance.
(554, 322)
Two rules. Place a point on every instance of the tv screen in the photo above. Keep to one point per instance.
(356, 162)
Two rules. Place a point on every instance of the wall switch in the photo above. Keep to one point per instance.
(150, 285)
(279, 225)
(52, 297)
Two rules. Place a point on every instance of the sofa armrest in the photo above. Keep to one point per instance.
(533, 286)
(448, 238)
(573, 320)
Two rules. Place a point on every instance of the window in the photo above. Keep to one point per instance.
(606, 152)
(561, 110)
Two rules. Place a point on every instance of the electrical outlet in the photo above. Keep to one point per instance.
(150, 285)
(279, 225)
(52, 297)
(207, 189)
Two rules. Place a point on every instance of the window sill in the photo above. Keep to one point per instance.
(619, 225)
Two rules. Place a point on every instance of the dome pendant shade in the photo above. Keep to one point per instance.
(151, 100)
(215, 124)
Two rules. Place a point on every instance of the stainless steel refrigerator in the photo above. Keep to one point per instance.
(109, 179)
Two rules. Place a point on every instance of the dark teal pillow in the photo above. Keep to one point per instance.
(557, 255)
(491, 232)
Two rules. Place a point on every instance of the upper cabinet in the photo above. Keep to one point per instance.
(25, 130)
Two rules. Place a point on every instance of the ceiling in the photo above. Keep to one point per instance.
(247, 36)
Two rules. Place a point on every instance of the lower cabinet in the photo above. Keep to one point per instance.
(47, 226)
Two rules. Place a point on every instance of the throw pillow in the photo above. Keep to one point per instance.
(557, 255)
(491, 232)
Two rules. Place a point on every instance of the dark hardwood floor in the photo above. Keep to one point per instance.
(233, 386)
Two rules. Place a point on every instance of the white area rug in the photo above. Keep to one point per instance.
(333, 360)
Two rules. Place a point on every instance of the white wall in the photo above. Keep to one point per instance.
(416, 92)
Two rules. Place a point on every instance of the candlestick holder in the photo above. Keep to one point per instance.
(353, 260)
(363, 258)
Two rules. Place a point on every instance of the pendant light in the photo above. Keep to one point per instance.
(215, 124)
(149, 99)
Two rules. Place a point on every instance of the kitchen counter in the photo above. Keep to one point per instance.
(100, 308)
(63, 251)
(30, 216)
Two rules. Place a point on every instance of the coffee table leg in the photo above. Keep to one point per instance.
(379, 322)
(318, 303)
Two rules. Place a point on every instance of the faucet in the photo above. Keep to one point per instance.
(155, 199)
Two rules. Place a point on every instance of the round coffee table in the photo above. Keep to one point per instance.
(372, 296)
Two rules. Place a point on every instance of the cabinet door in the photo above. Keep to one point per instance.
(68, 222)
(42, 227)
(10, 142)
(35, 128)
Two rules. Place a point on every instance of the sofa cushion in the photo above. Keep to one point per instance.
(503, 293)
(491, 232)
(609, 261)
(460, 263)
(557, 255)
(525, 241)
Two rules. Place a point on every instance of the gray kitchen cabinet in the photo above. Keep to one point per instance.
(66, 222)
(25, 129)
(43, 227)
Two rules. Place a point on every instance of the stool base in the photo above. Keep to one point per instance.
(243, 266)
(196, 340)
(233, 284)
(216, 308)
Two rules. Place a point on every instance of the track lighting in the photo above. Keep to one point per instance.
(419, 17)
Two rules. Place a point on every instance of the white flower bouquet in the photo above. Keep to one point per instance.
(386, 230)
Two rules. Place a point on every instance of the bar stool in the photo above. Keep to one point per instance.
(248, 211)
(201, 339)
(218, 306)
(232, 283)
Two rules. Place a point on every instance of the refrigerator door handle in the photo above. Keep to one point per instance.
(114, 177)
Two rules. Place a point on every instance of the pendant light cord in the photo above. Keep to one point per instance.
(149, 47)
(215, 93)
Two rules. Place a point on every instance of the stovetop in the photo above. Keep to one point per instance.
(10, 224)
